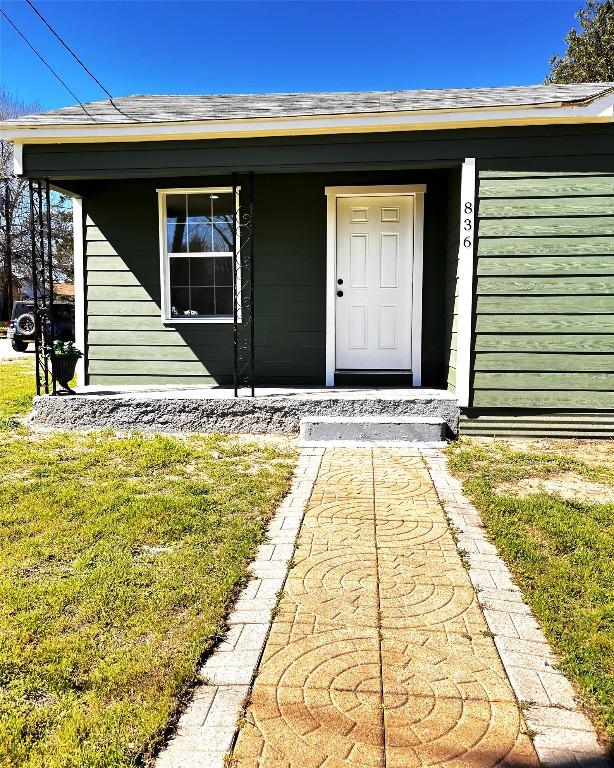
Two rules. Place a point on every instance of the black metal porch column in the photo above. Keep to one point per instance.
(42, 282)
(243, 287)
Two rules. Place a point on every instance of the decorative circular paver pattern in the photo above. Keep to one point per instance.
(378, 655)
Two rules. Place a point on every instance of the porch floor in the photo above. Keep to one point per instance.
(209, 409)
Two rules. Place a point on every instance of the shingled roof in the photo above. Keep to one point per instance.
(177, 109)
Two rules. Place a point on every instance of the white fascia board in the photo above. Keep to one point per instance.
(599, 110)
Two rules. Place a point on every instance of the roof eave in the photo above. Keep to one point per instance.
(595, 111)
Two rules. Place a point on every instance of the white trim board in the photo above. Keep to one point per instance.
(599, 110)
(466, 246)
(79, 281)
(417, 191)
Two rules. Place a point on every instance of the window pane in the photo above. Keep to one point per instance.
(199, 236)
(222, 235)
(180, 302)
(180, 271)
(199, 208)
(223, 208)
(176, 236)
(223, 270)
(223, 301)
(202, 271)
(202, 301)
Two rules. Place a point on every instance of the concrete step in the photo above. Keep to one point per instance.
(368, 429)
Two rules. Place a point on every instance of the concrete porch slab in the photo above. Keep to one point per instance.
(215, 409)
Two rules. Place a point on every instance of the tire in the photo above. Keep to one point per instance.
(26, 324)
(19, 346)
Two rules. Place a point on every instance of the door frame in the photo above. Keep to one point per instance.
(417, 191)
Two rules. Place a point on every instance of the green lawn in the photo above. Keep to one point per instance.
(561, 551)
(119, 557)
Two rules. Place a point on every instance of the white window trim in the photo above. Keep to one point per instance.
(79, 281)
(165, 284)
(417, 191)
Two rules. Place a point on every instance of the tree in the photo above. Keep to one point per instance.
(590, 50)
(15, 220)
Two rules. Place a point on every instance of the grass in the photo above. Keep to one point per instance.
(119, 557)
(560, 551)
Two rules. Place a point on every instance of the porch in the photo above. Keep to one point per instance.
(216, 409)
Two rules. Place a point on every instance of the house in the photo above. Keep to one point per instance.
(459, 240)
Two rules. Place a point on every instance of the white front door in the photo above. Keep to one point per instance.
(373, 284)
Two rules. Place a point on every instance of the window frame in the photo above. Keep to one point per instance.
(165, 283)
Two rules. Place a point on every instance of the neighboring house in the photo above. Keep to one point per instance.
(459, 239)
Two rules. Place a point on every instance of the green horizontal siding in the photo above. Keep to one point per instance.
(551, 380)
(546, 398)
(543, 342)
(536, 305)
(542, 147)
(547, 226)
(526, 423)
(561, 286)
(546, 265)
(544, 246)
(547, 186)
(520, 361)
(545, 323)
(546, 206)
(544, 312)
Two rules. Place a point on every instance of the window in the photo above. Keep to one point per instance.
(197, 251)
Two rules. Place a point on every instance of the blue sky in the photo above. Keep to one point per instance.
(167, 46)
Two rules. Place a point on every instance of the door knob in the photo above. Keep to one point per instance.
(339, 293)
(340, 281)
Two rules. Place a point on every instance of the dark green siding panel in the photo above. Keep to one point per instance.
(545, 324)
(543, 342)
(156, 379)
(540, 305)
(546, 206)
(506, 398)
(544, 246)
(564, 286)
(540, 381)
(106, 308)
(534, 174)
(547, 226)
(546, 265)
(555, 186)
(574, 147)
(520, 361)
(544, 315)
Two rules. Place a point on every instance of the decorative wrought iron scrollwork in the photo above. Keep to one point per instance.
(42, 284)
(243, 286)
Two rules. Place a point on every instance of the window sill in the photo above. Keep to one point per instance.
(184, 320)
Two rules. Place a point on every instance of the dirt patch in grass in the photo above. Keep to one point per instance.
(568, 485)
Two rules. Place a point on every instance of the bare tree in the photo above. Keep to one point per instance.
(14, 220)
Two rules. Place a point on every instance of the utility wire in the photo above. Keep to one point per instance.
(49, 67)
(70, 50)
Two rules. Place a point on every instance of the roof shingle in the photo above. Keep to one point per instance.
(173, 108)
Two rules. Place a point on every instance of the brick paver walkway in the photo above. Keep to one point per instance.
(379, 654)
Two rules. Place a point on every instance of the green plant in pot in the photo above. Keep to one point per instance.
(64, 362)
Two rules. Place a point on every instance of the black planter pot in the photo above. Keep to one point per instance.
(64, 369)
